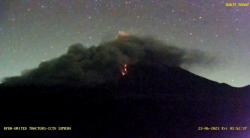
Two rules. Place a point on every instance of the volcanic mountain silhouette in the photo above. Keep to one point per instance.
(105, 62)
(151, 101)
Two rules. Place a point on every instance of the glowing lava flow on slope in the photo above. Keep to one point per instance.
(124, 70)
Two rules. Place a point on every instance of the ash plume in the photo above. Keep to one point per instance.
(102, 63)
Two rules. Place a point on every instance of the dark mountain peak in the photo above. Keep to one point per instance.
(123, 88)
(101, 64)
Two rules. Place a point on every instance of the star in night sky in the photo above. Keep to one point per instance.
(32, 31)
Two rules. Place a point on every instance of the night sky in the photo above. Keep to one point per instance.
(32, 31)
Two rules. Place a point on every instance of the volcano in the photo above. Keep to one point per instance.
(149, 102)
(115, 91)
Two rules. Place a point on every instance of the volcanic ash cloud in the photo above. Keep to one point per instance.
(108, 61)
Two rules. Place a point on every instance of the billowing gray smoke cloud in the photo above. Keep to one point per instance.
(95, 65)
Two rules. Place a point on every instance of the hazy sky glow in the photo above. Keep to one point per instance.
(35, 30)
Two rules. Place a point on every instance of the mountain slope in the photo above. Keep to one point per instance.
(148, 102)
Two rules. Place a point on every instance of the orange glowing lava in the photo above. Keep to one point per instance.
(124, 70)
